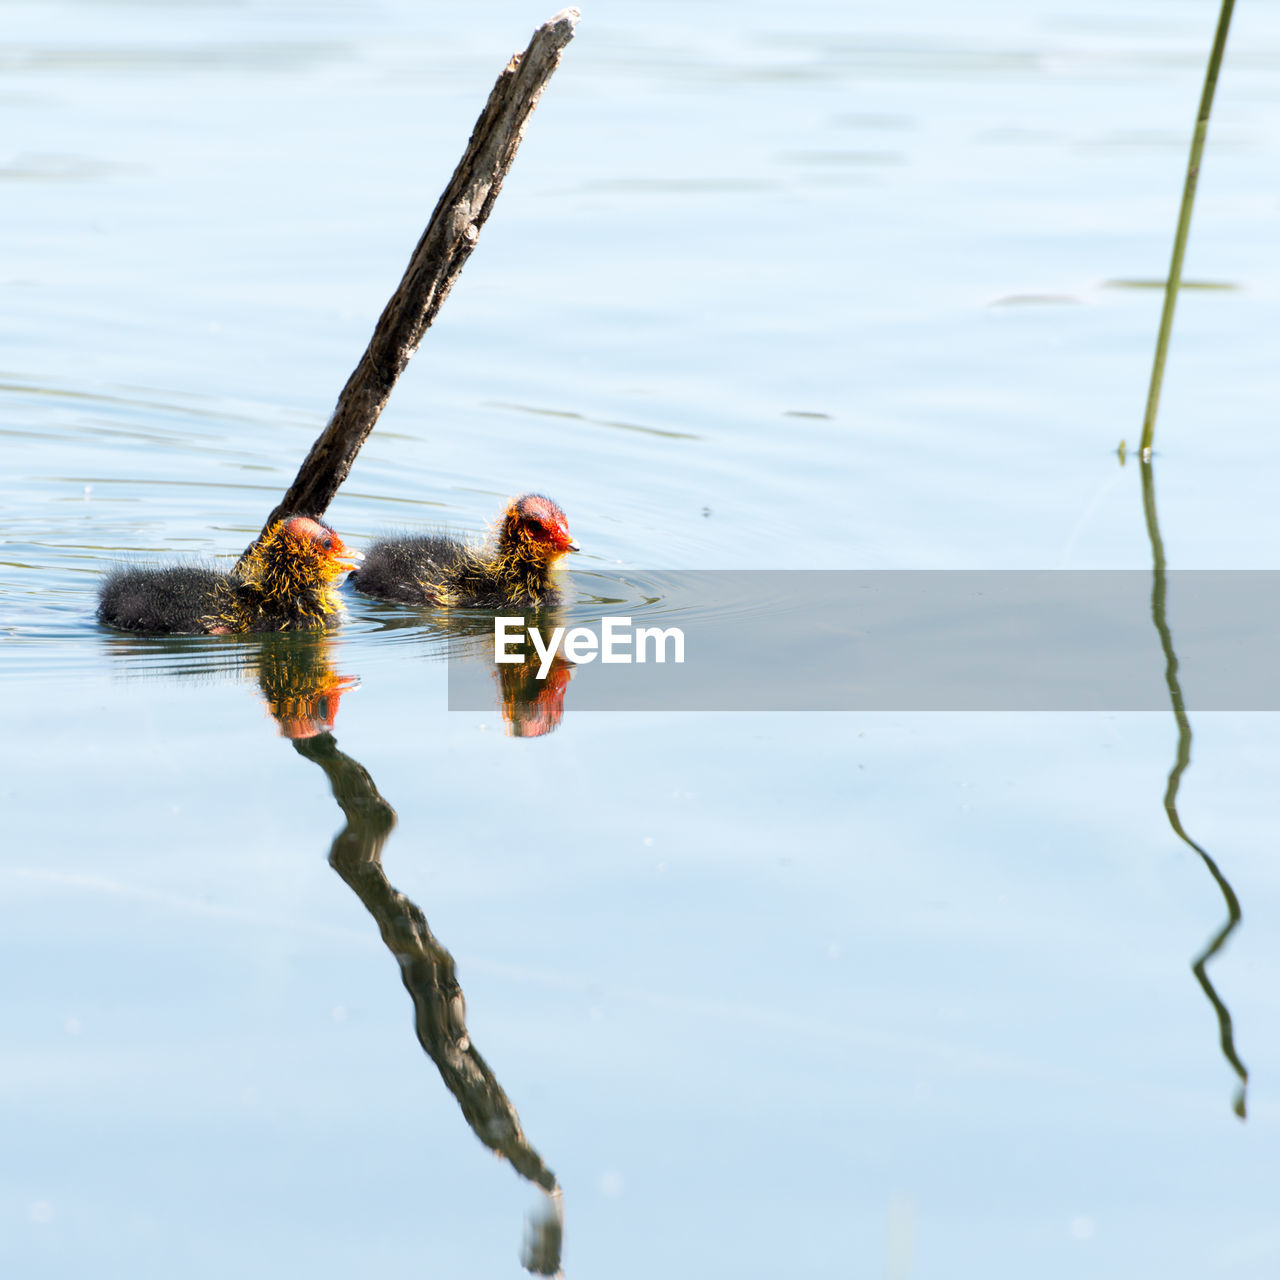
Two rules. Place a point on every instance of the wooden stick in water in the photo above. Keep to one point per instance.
(445, 246)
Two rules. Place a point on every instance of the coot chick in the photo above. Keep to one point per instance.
(286, 583)
(514, 568)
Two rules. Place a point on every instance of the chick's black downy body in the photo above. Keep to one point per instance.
(171, 600)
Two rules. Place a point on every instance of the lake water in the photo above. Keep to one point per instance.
(843, 994)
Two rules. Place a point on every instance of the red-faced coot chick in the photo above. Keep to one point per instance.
(514, 568)
(286, 583)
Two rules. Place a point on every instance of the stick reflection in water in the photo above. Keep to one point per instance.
(302, 692)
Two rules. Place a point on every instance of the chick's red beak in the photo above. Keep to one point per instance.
(560, 537)
(345, 558)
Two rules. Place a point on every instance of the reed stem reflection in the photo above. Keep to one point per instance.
(1182, 759)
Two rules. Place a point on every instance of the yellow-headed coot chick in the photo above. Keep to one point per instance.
(286, 583)
(514, 568)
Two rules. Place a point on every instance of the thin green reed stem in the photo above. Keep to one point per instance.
(1174, 282)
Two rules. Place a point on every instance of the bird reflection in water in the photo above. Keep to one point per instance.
(302, 691)
(300, 686)
(530, 706)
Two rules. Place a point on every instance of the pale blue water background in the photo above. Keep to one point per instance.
(898, 995)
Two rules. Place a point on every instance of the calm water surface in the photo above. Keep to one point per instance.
(750, 995)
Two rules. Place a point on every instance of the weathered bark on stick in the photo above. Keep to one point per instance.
(445, 246)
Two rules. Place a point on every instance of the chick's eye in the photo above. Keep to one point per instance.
(327, 543)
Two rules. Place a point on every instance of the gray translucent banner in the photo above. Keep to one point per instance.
(898, 641)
